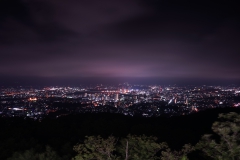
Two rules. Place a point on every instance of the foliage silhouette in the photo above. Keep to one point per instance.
(139, 147)
(96, 148)
(227, 144)
(168, 154)
(130, 148)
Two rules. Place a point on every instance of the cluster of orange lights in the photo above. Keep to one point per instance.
(32, 99)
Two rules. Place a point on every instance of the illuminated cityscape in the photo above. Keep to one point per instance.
(130, 100)
(119, 80)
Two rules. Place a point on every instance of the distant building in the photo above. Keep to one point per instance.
(116, 97)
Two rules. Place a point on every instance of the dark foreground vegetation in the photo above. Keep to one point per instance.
(113, 136)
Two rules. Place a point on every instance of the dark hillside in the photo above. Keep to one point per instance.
(62, 134)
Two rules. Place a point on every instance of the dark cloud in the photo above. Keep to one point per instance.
(113, 39)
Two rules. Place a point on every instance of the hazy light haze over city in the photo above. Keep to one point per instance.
(141, 41)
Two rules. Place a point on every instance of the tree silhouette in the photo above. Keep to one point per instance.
(139, 147)
(226, 146)
(132, 147)
(168, 154)
(96, 148)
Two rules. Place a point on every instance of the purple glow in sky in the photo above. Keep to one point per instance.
(119, 38)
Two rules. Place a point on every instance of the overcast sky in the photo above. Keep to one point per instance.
(151, 39)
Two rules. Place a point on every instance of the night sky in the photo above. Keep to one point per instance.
(143, 41)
